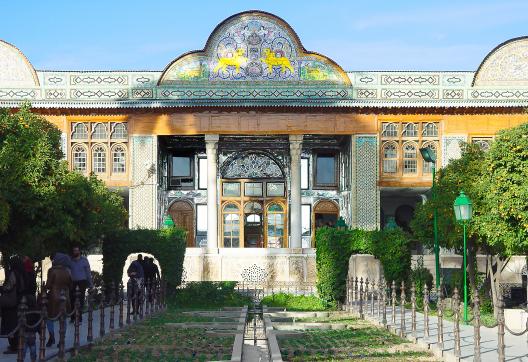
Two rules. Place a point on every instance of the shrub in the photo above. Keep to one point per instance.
(209, 295)
(295, 302)
(335, 246)
(392, 248)
(166, 245)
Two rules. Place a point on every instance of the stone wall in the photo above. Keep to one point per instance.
(250, 265)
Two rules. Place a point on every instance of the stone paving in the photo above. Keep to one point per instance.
(516, 346)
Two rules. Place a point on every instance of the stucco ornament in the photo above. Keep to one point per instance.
(505, 65)
(253, 46)
(15, 69)
(253, 165)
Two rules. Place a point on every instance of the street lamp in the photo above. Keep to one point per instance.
(168, 222)
(429, 155)
(463, 212)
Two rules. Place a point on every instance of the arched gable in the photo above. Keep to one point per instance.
(253, 46)
(507, 64)
(15, 69)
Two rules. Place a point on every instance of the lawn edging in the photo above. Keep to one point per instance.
(273, 345)
(236, 355)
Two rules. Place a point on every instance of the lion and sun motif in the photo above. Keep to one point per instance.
(254, 50)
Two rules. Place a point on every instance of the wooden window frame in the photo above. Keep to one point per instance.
(192, 176)
(320, 153)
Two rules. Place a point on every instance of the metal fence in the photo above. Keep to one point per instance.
(375, 298)
(144, 298)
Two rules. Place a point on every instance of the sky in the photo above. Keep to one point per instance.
(358, 35)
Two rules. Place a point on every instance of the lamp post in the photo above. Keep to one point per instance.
(168, 222)
(463, 212)
(429, 155)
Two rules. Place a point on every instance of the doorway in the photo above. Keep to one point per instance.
(253, 230)
(182, 214)
(326, 213)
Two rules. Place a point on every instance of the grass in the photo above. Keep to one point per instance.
(305, 303)
(153, 340)
(362, 341)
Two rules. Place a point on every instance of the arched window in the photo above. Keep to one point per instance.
(118, 159)
(99, 159)
(427, 166)
(275, 225)
(79, 158)
(252, 208)
(409, 158)
(390, 157)
(430, 130)
(120, 131)
(231, 225)
(484, 144)
(99, 131)
(80, 132)
(389, 130)
(410, 130)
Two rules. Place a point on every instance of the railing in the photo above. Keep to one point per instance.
(146, 299)
(358, 292)
(271, 288)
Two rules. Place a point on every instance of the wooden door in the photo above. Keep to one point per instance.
(182, 214)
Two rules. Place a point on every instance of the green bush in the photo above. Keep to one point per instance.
(392, 248)
(209, 295)
(335, 246)
(166, 245)
(295, 302)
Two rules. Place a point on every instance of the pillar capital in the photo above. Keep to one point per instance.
(296, 145)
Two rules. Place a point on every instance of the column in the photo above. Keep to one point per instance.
(295, 191)
(211, 146)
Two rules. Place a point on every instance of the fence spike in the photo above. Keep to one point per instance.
(361, 298)
(500, 329)
(90, 302)
(77, 319)
(21, 313)
(413, 309)
(402, 310)
(476, 326)
(426, 312)
(62, 324)
(393, 302)
(456, 302)
(44, 317)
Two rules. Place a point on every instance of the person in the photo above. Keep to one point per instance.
(59, 279)
(11, 291)
(81, 276)
(30, 291)
(136, 274)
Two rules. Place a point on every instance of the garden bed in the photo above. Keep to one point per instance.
(342, 337)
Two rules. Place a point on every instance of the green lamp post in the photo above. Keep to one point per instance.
(429, 155)
(341, 224)
(168, 222)
(463, 212)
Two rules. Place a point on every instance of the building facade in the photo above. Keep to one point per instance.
(253, 142)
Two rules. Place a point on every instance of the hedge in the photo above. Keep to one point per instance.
(166, 245)
(335, 246)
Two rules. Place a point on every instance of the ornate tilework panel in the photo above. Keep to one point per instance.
(366, 193)
(19, 94)
(507, 65)
(499, 93)
(99, 79)
(15, 69)
(409, 79)
(409, 93)
(143, 190)
(254, 46)
(451, 148)
(252, 165)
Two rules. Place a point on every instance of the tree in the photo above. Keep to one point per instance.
(44, 207)
(462, 174)
(503, 186)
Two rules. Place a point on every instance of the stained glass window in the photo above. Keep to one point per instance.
(120, 131)
(409, 158)
(80, 131)
(231, 226)
(99, 131)
(231, 189)
(275, 189)
(390, 157)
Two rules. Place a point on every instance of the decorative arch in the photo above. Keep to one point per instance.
(506, 64)
(410, 157)
(252, 164)
(79, 157)
(182, 213)
(15, 68)
(99, 158)
(253, 46)
(326, 207)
